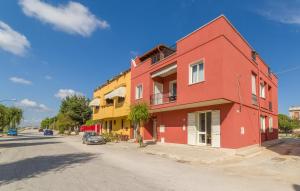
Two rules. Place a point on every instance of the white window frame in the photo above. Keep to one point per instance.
(262, 90)
(270, 124)
(198, 80)
(137, 94)
(262, 123)
(253, 83)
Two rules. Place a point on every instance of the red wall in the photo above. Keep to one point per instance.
(228, 66)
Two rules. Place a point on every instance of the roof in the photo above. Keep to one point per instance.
(154, 50)
(112, 79)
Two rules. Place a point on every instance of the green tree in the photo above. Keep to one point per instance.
(139, 114)
(286, 124)
(64, 122)
(3, 116)
(45, 123)
(76, 108)
(15, 115)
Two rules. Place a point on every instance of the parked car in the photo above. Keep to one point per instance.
(91, 138)
(12, 132)
(41, 130)
(48, 132)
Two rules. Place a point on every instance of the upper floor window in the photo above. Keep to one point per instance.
(196, 73)
(139, 91)
(262, 90)
(109, 101)
(253, 84)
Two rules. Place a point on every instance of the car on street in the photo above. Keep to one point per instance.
(91, 138)
(48, 132)
(12, 132)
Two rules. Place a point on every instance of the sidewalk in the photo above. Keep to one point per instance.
(188, 153)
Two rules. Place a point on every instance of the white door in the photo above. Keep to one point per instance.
(192, 130)
(158, 93)
(215, 130)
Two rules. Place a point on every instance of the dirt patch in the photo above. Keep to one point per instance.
(278, 159)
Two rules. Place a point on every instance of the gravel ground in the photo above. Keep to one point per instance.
(33, 162)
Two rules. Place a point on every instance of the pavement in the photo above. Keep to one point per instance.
(34, 162)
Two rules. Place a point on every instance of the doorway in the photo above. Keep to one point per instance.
(154, 130)
(204, 128)
(158, 93)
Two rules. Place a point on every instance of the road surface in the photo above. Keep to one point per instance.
(34, 162)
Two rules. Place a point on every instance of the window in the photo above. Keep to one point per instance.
(262, 124)
(122, 123)
(121, 99)
(262, 90)
(270, 124)
(139, 92)
(173, 88)
(196, 73)
(253, 84)
(109, 101)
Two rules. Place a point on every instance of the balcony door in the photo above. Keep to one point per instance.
(158, 93)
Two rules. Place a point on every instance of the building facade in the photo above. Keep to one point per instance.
(111, 104)
(212, 89)
(295, 112)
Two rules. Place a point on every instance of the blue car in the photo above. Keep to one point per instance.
(48, 132)
(12, 132)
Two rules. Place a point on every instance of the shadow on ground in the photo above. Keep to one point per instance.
(24, 138)
(296, 187)
(31, 167)
(290, 146)
(24, 144)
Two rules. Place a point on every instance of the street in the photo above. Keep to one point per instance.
(31, 161)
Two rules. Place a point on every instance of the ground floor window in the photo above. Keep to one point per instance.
(262, 124)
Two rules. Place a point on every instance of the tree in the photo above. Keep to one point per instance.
(286, 124)
(76, 108)
(139, 113)
(45, 123)
(10, 117)
(3, 116)
(64, 122)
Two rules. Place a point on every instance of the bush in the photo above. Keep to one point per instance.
(110, 137)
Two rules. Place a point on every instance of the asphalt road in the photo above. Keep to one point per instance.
(36, 163)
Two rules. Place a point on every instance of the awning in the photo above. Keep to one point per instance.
(95, 102)
(165, 72)
(119, 92)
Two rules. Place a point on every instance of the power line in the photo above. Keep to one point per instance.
(288, 70)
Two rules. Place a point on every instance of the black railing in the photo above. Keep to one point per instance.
(270, 106)
(162, 98)
(254, 99)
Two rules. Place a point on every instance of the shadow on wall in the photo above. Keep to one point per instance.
(31, 167)
(296, 187)
(11, 145)
(290, 146)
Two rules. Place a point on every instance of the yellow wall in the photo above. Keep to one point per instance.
(115, 111)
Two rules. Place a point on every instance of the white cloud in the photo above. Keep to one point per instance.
(12, 41)
(47, 77)
(63, 93)
(73, 18)
(27, 103)
(287, 12)
(20, 81)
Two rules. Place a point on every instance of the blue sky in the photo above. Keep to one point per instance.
(50, 49)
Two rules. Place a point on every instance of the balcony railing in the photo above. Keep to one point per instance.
(254, 99)
(162, 98)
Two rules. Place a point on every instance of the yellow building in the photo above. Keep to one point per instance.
(111, 104)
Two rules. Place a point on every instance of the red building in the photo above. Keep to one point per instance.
(211, 89)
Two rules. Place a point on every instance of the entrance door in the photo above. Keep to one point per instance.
(158, 93)
(192, 131)
(154, 132)
(204, 128)
(216, 132)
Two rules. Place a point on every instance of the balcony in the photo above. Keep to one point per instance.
(270, 106)
(254, 99)
(158, 53)
(162, 98)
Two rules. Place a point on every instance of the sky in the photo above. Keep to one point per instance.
(50, 49)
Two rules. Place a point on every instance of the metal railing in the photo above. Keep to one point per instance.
(254, 99)
(162, 98)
